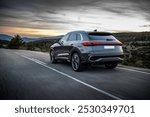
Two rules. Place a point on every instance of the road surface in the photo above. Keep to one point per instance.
(30, 75)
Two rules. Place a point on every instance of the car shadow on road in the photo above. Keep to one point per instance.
(97, 68)
(87, 67)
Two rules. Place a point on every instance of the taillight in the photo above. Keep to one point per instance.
(102, 44)
(89, 43)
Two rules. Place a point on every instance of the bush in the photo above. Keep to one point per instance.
(15, 42)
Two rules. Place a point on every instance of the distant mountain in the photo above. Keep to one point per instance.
(5, 37)
(29, 39)
(42, 39)
(54, 38)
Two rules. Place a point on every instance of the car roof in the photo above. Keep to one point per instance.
(80, 31)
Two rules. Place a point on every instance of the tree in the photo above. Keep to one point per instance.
(15, 42)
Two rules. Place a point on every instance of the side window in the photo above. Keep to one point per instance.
(72, 37)
(79, 36)
(64, 38)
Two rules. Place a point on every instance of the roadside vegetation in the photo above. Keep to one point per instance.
(136, 47)
(16, 42)
(39, 45)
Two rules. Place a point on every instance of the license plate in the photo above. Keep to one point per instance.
(109, 47)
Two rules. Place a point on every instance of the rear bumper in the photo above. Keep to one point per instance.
(97, 58)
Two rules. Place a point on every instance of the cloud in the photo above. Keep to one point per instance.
(147, 25)
(53, 6)
(69, 14)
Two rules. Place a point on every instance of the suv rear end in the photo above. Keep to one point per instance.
(102, 47)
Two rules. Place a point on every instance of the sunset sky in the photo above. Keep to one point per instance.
(39, 18)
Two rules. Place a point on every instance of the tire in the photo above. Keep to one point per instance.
(111, 65)
(52, 57)
(76, 62)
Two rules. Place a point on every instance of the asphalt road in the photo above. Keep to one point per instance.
(29, 75)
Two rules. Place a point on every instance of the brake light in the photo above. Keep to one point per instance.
(102, 44)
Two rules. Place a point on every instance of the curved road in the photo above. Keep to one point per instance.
(29, 75)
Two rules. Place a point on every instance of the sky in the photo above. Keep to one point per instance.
(38, 18)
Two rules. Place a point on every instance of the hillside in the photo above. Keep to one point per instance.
(136, 48)
(43, 44)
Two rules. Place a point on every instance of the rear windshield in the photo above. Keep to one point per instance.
(101, 36)
(100, 33)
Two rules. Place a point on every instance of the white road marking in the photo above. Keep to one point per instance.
(38, 61)
(133, 70)
(71, 77)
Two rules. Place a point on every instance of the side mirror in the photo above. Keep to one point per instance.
(61, 42)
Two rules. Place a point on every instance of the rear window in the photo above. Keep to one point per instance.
(101, 36)
(100, 33)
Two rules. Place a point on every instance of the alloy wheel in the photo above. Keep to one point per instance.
(75, 61)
